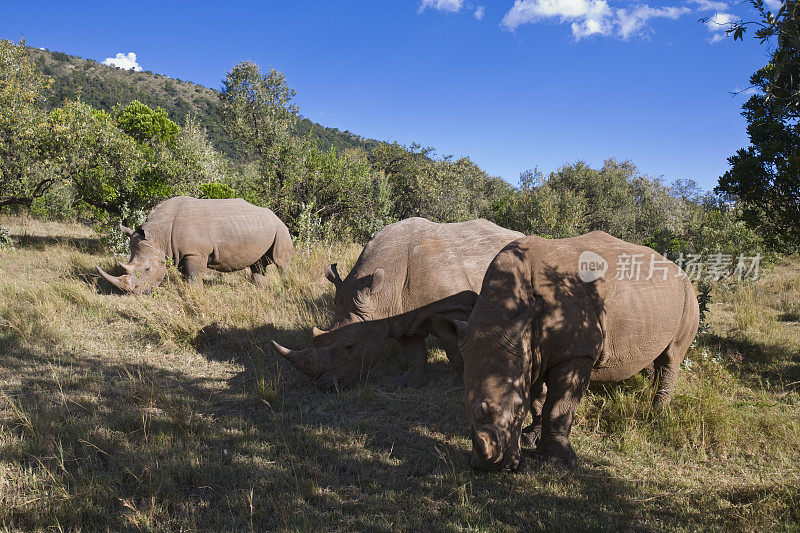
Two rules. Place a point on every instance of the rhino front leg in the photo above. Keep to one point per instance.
(566, 384)
(456, 361)
(416, 352)
(194, 268)
(259, 279)
(532, 433)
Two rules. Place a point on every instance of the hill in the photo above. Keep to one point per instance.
(103, 87)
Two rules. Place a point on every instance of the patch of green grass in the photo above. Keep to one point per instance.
(170, 411)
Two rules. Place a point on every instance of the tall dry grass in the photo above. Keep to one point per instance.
(169, 411)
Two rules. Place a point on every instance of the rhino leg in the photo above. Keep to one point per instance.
(456, 361)
(416, 352)
(281, 251)
(566, 384)
(665, 375)
(532, 433)
(259, 280)
(258, 268)
(194, 268)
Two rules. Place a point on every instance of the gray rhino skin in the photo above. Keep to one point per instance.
(410, 271)
(223, 235)
(539, 333)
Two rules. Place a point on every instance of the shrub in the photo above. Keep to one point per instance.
(6, 242)
(216, 190)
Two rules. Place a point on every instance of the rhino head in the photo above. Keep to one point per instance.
(343, 356)
(145, 270)
(496, 392)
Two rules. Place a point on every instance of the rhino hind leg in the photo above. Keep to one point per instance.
(665, 374)
(566, 384)
(416, 352)
(281, 251)
(532, 433)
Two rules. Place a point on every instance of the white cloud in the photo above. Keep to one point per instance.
(125, 61)
(589, 17)
(773, 5)
(634, 21)
(709, 5)
(451, 6)
(718, 24)
(479, 12)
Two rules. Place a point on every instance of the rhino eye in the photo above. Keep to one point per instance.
(348, 347)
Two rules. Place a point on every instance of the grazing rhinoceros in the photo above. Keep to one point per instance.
(410, 271)
(553, 315)
(224, 235)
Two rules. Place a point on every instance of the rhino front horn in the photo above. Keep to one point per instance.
(115, 281)
(302, 360)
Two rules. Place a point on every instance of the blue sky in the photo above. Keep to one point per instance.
(511, 84)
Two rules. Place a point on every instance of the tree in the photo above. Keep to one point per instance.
(765, 176)
(778, 80)
(23, 174)
(98, 159)
(258, 113)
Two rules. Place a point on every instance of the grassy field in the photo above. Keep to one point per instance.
(170, 412)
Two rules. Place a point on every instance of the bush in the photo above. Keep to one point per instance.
(216, 190)
(6, 242)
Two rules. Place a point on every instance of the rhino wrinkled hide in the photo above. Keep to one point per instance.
(539, 333)
(223, 235)
(408, 277)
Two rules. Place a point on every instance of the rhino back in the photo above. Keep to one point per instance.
(233, 233)
(426, 262)
(627, 318)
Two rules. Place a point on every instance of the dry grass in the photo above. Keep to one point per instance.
(169, 412)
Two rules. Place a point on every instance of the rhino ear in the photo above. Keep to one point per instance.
(333, 275)
(377, 280)
(448, 329)
(143, 232)
(125, 230)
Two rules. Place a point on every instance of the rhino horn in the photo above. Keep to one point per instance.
(127, 231)
(316, 332)
(127, 266)
(114, 280)
(333, 275)
(302, 360)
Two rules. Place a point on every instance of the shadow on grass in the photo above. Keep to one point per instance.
(110, 445)
(89, 245)
(757, 362)
(92, 278)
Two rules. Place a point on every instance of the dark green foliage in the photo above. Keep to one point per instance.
(765, 176)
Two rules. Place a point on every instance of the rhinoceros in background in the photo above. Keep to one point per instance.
(223, 235)
(553, 315)
(410, 271)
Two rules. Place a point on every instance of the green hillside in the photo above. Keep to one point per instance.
(103, 87)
